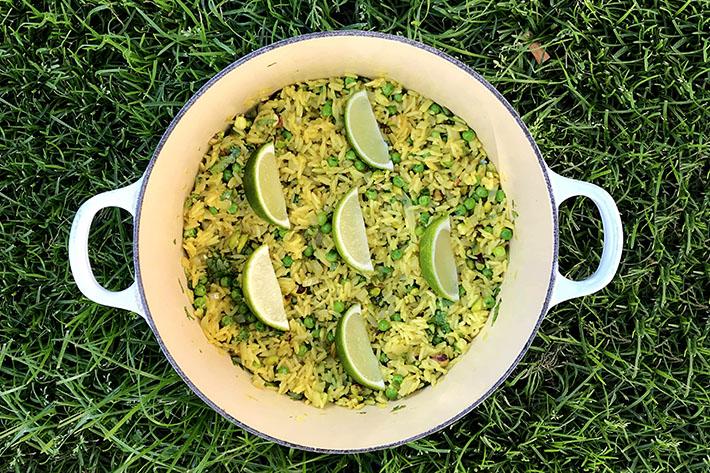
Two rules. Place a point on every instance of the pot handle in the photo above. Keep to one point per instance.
(125, 198)
(565, 188)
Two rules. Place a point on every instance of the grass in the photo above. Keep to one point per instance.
(616, 381)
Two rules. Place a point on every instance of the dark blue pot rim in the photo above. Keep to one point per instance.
(306, 37)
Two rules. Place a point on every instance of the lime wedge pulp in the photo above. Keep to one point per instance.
(261, 290)
(436, 258)
(364, 133)
(355, 351)
(263, 188)
(349, 233)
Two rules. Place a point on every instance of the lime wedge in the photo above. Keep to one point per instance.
(263, 189)
(261, 290)
(355, 351)
(349, 233)
(364, 133)
(436, 258)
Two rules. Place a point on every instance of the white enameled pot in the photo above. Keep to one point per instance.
(532, 284)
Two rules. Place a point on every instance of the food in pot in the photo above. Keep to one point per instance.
(420, 311)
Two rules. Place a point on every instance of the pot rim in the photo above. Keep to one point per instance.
(296, 39)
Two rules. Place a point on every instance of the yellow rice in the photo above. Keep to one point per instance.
(221, 230)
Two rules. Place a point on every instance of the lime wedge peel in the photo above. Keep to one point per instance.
(436, 259)
(364, 133)
(349, 233)
(355, 351)
(263, 188)
(262, 291)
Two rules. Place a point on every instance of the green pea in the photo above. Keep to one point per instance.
(460, 210)
(200, 290)
(316, 334)
(250, 317)
(282, 370)
(280, 144)
(282, 233)
(350, 155)
(225, 281)
(383, 325)
(214, 210)
(506, 234)
(434, 109)
(470, 203)
(332, 161)
(243, 334)
(397, 379)
(227, 175)
(349, 81)
(396, 317)
(309, 322)
(327, 109)
(287, 261)
(387, 89)
(191, 233)
(398, 181)
(326, 228)
(375, 291)
(395, 157)
(500, 195)
(332, 256)
(419, 231)
(384, 358)
(360, 166)
(398, 97)
(226, 320)
(287, 135)
(202, 280)
(396, 254)
(392, 110)
(487, 272)
(499, 252)
(200, 301)
(302, 350)
(481, 192)
(260, 326)
(391, 392)
(418, 168)
(424, 200)
(339, 307)
(489, 302)
(330, 337)
(385, 270)
(225, 195)
(233, 208)
(424, 217)
(371, 194)
(322, 218)
(308, 252)
(468, 135)
(236, 294)
(236, 169)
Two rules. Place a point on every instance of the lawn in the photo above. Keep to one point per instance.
(616, 381)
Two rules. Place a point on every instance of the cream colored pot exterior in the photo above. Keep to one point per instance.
(532, 284)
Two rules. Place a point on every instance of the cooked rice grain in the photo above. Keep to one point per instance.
(221, 231)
